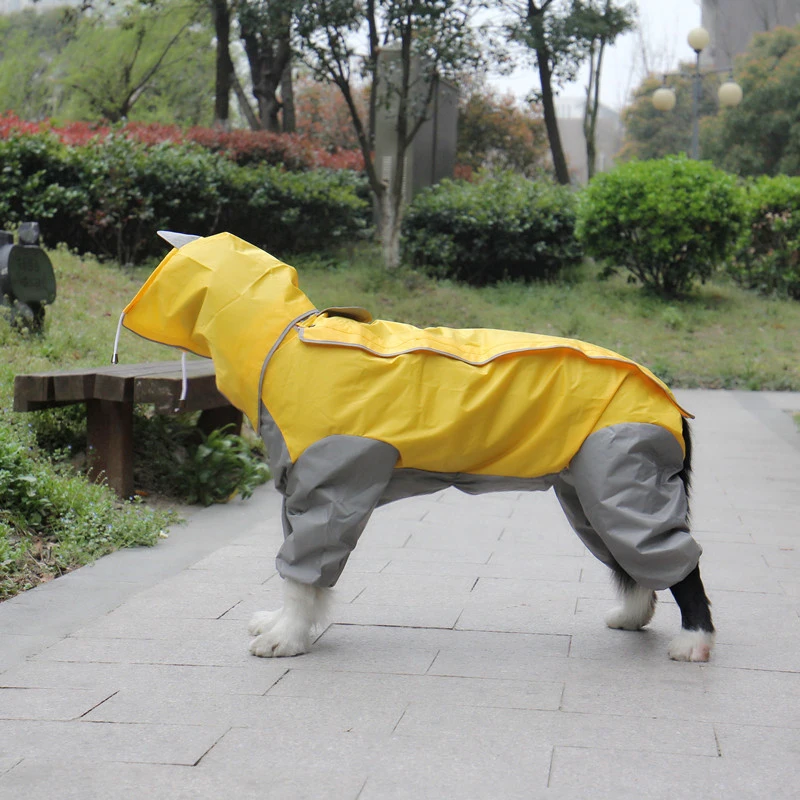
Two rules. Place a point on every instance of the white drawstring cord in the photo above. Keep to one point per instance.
(184, 383)
(115, 356)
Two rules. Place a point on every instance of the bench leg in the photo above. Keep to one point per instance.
(213, 418)
(109, 431)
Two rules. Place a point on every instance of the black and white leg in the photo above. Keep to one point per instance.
(638, 604)
(696, 639)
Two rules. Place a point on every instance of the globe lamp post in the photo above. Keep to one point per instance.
(729, 94)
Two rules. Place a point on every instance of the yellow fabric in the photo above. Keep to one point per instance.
(478, 401)
(225, 299)
(534, 406)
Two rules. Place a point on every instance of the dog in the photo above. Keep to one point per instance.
(357, 412)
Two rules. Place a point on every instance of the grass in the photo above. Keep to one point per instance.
(720, 337)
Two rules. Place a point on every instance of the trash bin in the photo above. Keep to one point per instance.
(27, 280)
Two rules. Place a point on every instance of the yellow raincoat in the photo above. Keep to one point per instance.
(434, 402)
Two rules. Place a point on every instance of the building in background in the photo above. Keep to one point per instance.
(733, 23)
(431, 155)
(569, 111)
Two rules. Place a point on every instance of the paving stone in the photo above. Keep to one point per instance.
(406, 767)
(605, 773)
(81, 781)
(49, 704)
(150, 651)
(253, 677)
(96, 741)
(319, 715)
(436, 690)
(403, 616)
(495, 726)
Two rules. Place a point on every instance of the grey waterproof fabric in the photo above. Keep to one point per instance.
(621, 493)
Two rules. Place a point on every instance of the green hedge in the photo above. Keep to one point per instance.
(111, 196)
(668, 221)
(767, 256)
(503, 227)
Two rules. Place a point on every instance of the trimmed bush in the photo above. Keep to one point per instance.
(668, 222)
(111, 196)
(500, 228)
(767, 256)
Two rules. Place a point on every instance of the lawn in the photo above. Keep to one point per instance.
(720, 337)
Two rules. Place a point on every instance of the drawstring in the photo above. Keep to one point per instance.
(115, 355)
(184, 384)
(184, 376)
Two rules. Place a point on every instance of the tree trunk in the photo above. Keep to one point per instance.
(267, 57)
(224, 66)
(535, 20)
(551, 120)
(244, 103)
(391, 222)
(287, 98)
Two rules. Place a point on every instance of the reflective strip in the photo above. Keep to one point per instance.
(483, 362)
(272, 350)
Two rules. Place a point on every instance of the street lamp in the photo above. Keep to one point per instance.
(729, 94)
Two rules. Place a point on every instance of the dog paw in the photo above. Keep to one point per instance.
(282, 639)
(262, 621)
(621, 619)
(691, 646)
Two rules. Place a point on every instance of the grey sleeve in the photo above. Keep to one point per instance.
(329, 496)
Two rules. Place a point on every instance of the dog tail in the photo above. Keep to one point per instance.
(686, 473)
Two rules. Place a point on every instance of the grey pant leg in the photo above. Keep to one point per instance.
(626, 480)
(329, 496)
(571, 505)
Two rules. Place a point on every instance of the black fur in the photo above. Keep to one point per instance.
(690, 595)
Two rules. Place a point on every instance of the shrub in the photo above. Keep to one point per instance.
(174, 458)
(110, 196)
(501, 227)
(40, 180)
(668, 222)
(244, 147)
(767, 256)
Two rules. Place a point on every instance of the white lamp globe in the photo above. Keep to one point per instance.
(664, 99)
(730, 94)
(698, 39)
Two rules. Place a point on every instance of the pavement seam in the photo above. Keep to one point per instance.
(81, 716)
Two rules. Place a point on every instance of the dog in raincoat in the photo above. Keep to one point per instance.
(357, 412)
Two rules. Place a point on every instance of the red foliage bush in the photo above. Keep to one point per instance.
(293, 151)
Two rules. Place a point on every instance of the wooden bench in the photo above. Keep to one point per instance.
(110, 394)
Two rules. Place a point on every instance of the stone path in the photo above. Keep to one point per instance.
(467, 658)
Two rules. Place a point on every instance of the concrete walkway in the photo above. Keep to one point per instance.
(467, 658)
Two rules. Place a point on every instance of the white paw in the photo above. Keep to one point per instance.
(262, 621)
(691, 646)
(620, 618)
(285, 637)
